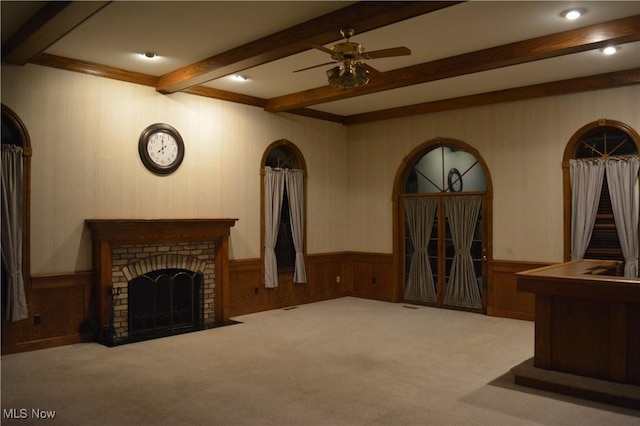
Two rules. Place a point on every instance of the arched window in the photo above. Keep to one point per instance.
(442, 205)
(445, 168)
(283, 207)
(16, 175)
(600, 168)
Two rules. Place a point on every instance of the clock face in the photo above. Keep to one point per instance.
(454, 180)
(161, 149)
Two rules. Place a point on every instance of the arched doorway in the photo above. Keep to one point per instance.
(442, 226)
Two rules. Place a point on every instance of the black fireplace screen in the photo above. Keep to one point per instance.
(164, 302)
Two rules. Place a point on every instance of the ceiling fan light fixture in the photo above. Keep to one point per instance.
(348, 76)
(352, 71)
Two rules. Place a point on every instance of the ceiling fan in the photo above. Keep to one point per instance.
(352, 71)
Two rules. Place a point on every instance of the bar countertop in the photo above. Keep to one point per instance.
(587, 278)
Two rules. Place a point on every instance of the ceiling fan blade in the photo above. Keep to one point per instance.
(387, 53)
(321, 47)
(316, 66)
(374, 72)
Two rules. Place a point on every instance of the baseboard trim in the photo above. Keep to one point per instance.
(42, 344)
(368, 296)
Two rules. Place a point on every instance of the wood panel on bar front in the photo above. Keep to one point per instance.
(587, 320)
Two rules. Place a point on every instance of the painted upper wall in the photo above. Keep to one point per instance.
(522, 144)
(84, 132)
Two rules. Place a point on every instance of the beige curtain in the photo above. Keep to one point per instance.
(586, 183)
(622, 176)
(462, 286)
(274, 184)
(419, 213)
(273, 193)
(12, 212)
(294, 180)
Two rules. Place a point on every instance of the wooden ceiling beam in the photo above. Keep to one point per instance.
(582, 39)
(104, 71)
(555, 88)
(94, 69)
(46, 27)
(223, 95)
(362, 16)
(582, 84)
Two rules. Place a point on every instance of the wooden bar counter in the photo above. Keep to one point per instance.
(587, 321)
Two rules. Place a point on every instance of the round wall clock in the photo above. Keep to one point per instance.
(161, 149)
(454, 180)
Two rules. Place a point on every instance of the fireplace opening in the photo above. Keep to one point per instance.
(165, 302)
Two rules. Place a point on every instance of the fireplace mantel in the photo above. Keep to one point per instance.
(107, 233)
(141, 231)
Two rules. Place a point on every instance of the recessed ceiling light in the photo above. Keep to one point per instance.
(149, 55)
(573, 14)
(240, 78)
(610, 50)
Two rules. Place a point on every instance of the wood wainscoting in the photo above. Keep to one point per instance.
(367, 275)
(371, 276)
(58, 305)
(504, 298)
(325, 276)
(329, 276)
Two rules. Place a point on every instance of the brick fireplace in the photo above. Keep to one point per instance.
(124, 250)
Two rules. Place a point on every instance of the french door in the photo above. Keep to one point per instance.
(445, 251)
(442, 205)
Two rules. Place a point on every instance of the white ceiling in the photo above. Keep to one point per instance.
(183, 33)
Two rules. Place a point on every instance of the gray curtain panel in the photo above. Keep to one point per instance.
(419, 213)
(586, 183)
(295, 189)
(462, 287)
(273, 194)
(12, 212)
(622, 175)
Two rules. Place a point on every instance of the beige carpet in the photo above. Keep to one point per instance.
(341, 362)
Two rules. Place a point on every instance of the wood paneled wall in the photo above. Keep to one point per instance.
(504, 298)
(325, 275)
(58, 304)
(332, 275)
(367, 275)
(372, 276)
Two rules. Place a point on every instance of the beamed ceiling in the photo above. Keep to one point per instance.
(464, 54)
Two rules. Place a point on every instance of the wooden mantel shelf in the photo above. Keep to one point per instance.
(142, 231)
(107, 233)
